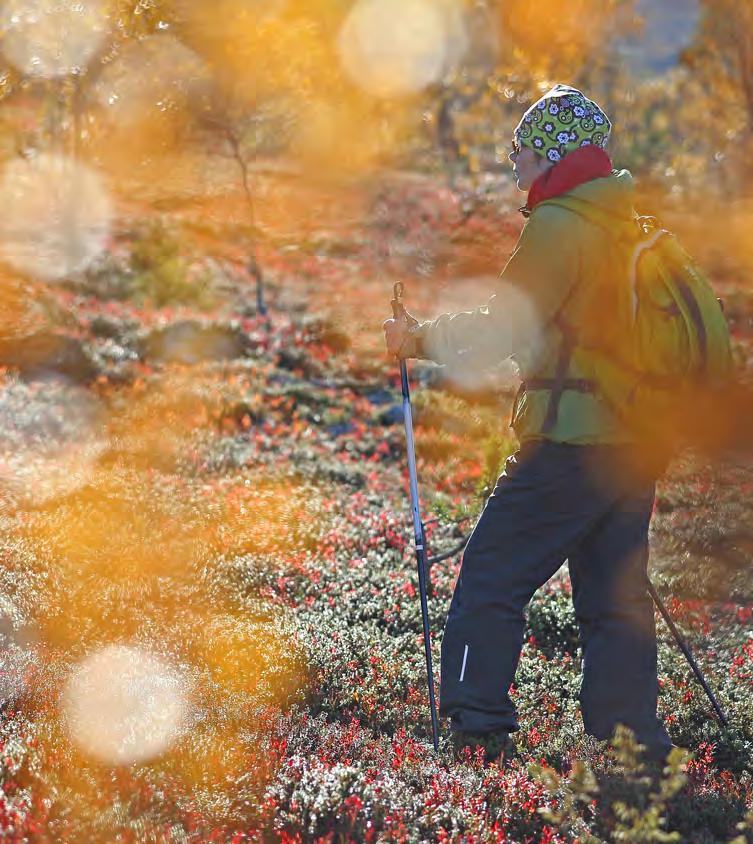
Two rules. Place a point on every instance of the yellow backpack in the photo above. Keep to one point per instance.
(673, 354)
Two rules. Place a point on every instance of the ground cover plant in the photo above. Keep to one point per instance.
(225, 532)
(210, 626)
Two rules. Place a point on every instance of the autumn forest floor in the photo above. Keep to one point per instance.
(213, 503)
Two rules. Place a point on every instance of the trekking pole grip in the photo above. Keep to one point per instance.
(398, 309)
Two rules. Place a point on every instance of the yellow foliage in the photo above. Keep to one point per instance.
(290, 57)
(552, 39)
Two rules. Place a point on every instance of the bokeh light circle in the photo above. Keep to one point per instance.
(53, 436)
(393, 47)
(492, 347)
(124, 705)
(50, 38)
(61, 216)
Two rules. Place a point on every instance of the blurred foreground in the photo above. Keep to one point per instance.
(208, 612)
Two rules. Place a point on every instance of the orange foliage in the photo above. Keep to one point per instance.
(283, 61)
(551, 39)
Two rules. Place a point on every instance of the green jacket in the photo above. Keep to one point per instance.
(545, 289)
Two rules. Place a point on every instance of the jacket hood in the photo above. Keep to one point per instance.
(613, 194)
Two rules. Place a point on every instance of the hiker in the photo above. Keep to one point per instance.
(568, 492)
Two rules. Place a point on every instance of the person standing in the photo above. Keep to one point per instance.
(568, 492)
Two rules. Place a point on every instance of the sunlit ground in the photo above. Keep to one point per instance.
(209, 624)
(162, 536)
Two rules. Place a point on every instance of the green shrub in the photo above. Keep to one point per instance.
(633, 804)
(162, 273)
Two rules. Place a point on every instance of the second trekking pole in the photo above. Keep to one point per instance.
(688, 655)
(398, 311)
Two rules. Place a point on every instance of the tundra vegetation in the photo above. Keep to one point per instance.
(209, 620)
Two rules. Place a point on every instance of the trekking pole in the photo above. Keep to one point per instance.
(688, 655)
(398, 312)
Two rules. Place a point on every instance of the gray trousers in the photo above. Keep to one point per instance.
(555, 502)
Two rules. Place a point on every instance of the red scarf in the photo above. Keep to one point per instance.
(581, 165)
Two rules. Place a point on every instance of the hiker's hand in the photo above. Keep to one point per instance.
(397, 336)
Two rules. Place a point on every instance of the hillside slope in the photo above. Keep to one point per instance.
(209, 542)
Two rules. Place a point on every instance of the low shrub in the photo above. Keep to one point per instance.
(162, 275)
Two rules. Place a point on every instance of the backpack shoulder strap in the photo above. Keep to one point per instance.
(622, 231)
(640, 234)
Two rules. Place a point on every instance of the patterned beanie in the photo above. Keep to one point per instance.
(562, 121)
